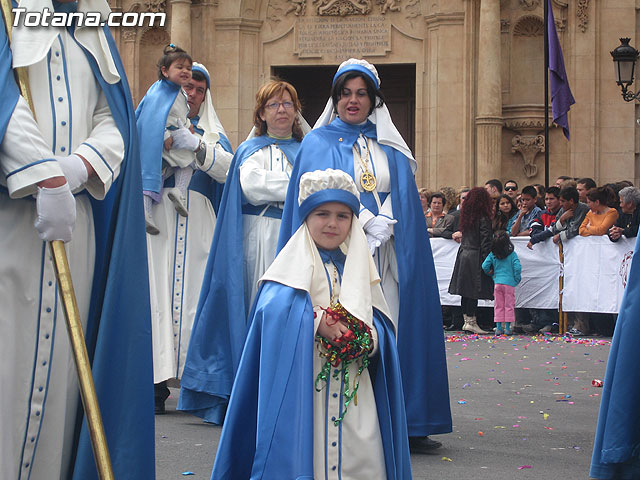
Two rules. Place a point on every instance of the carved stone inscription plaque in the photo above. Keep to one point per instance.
(335, 38)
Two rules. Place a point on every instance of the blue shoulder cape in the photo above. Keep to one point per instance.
(616, 449)
(151, 119)
(271, 406)
(420, 338)
(8, 87)
(220, 325)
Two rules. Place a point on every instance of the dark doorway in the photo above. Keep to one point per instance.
(398, 86)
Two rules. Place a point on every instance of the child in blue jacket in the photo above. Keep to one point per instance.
(503, 265)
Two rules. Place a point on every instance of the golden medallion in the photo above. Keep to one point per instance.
(368, 181)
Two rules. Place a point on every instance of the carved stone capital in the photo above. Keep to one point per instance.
(129, 34)
(528, 146)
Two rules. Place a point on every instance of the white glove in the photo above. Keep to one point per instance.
(74, 171)
(56, 213)
(373, 243)
(183, 139)
(379, 227)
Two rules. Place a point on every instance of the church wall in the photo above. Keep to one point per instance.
(241, 40)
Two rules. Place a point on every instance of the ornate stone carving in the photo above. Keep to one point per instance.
(388, 6)
(152, 6)
(529, 26)
(529, 4)
(129, 34)
(583, 14)
(298, 7)
(505, 25)
(413, 9)
(155, 36)
(528, 146)
(342, 8)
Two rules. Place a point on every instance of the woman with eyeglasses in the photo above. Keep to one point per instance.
(243, 247)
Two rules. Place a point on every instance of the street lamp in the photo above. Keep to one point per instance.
(624, 60)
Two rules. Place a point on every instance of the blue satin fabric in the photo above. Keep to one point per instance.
(420, 338)
(616, 450)
(271, 407)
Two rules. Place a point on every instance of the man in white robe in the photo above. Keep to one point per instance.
(178, 254)
(76, 147)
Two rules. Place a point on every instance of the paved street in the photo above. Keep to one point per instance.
(523, 408)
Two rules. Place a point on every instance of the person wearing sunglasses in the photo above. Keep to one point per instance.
(511, 189)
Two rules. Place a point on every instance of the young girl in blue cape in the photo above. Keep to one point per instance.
(168, 145)
(318, 391)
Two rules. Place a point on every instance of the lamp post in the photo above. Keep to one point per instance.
(624, 60)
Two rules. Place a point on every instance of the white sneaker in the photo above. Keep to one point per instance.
(178, 200)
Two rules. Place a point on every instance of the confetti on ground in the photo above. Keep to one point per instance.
(481, 434)
(188, 473)
(447, 459)
(522, 467)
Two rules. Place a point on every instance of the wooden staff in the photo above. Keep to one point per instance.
(71, 313)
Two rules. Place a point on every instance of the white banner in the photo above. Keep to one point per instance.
(595, 272)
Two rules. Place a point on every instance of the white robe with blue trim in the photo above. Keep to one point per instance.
(39, 395)
(264, 178)
(177, 260)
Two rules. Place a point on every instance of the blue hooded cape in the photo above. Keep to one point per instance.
(616, 449)
(118, 333)
(271, 408)
(220, 325)
(420, 338)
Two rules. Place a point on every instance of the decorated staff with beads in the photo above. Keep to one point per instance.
(320, 368)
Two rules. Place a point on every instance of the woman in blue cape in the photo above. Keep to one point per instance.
(288, 416)
(363, 142)
(243, 246)
(617, 443)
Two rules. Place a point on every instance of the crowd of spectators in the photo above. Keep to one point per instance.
(571, 207)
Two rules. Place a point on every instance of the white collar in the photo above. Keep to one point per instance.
(29, 45)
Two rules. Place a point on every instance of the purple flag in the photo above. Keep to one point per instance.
(561, 97)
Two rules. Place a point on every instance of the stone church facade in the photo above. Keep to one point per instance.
(464, 79)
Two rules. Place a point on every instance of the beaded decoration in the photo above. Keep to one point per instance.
(354, 344)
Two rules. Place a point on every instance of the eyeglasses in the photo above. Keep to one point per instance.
(276, 105)
(510, 188)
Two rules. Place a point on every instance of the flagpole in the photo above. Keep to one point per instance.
(546, 94)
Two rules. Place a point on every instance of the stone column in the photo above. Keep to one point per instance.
(489, 114)
(181, 23)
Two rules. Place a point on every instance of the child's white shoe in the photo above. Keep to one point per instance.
(178, 200)
(150, 225)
